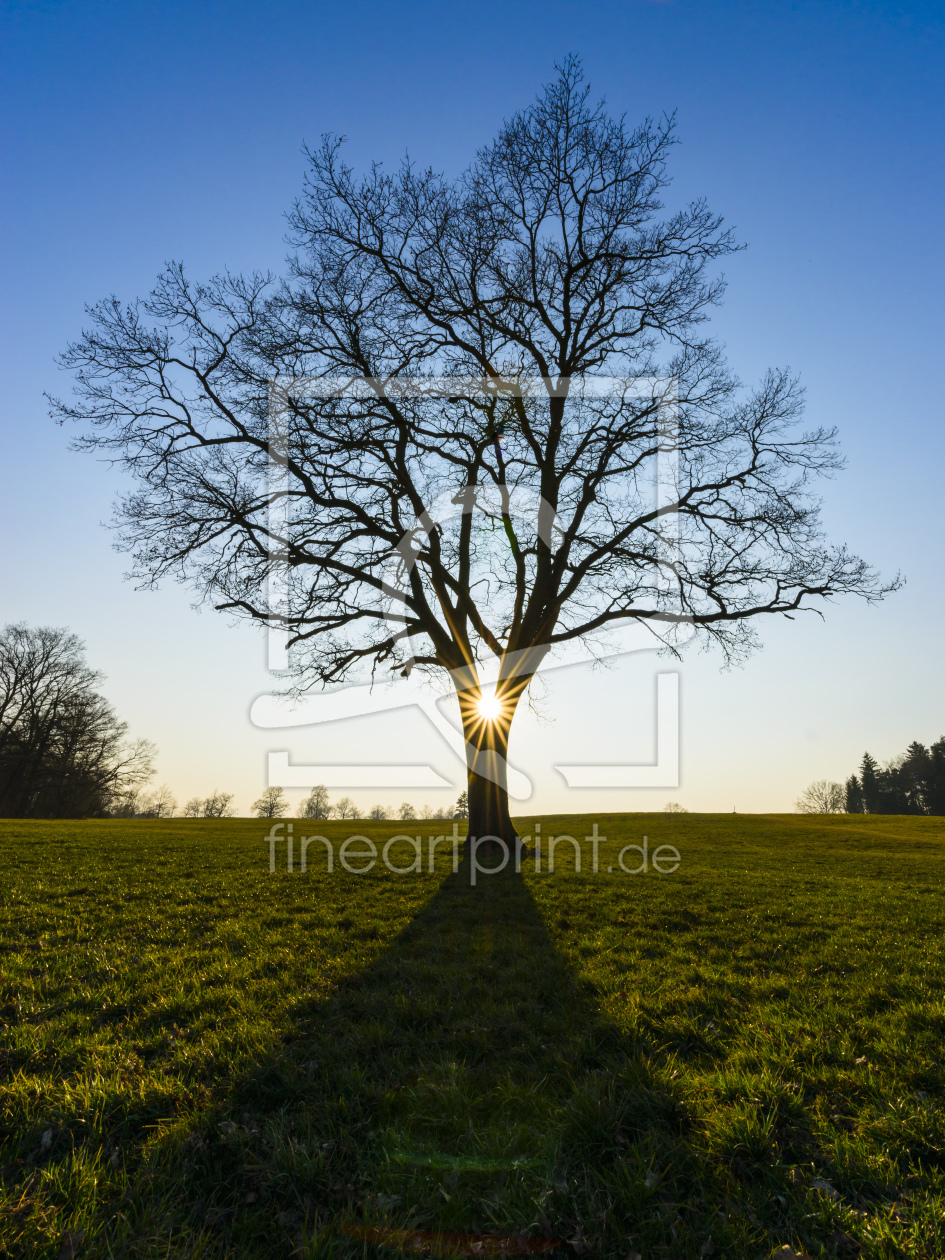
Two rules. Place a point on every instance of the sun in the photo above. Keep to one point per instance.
(489, 708)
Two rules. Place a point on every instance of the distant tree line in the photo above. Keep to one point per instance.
(63, 749)
(138, 804)
(273, 804)
(912, 783)
(216, 805)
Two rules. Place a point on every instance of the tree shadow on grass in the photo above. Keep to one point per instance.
(464, 1082)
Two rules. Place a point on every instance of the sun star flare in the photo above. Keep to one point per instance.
(489, 708)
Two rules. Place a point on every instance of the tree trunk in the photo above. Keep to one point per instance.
(487, 742)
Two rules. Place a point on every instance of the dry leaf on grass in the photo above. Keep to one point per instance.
(70, 1243)
(819, 1184)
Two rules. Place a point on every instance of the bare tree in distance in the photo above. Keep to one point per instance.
(546, 266)
(346, 808)
(271, 804)
(674, 807)
(216, 805)
(822, 797)
(316, 804)
(378, 813)
(160, 803)
(406, 811)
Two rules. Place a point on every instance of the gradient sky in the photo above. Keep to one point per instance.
(138, 133)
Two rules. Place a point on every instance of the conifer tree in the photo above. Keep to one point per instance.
(869, 785)
(913, 778)
(935, 787)
(854, 795)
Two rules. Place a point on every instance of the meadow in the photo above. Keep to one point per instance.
(203, 1058)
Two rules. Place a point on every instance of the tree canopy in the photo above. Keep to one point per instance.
(434, 441)
(63, 752)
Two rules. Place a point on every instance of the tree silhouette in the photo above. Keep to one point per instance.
(913, 783)
(272, 803)
(346, 808)
(821, 797)
(869, 785)
(467, 388)
(853, 795)
(315, 804)
(63, 752)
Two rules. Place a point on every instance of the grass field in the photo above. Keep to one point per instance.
(201, 1058)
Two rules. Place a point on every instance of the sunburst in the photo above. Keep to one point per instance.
(489, 708)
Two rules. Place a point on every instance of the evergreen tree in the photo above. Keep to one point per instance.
(935, 790)
(913, 783)
(891, 795)
(914, 775)
(869, 785)
(854, 795)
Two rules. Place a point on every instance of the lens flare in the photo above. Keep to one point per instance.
(489, 708)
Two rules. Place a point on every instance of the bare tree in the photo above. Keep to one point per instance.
(674, 807)
(378, 812)
(346, 808)
(315, 804)
(157, 804)
(193, 808)
(822, 797)
(272, 803)
(164, 802)
(406, 811)
(466, 388)
(217, 805)
(63, 752)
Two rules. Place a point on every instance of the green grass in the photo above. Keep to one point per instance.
(200, 1058)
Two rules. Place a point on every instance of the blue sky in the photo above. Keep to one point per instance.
(137, 133)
